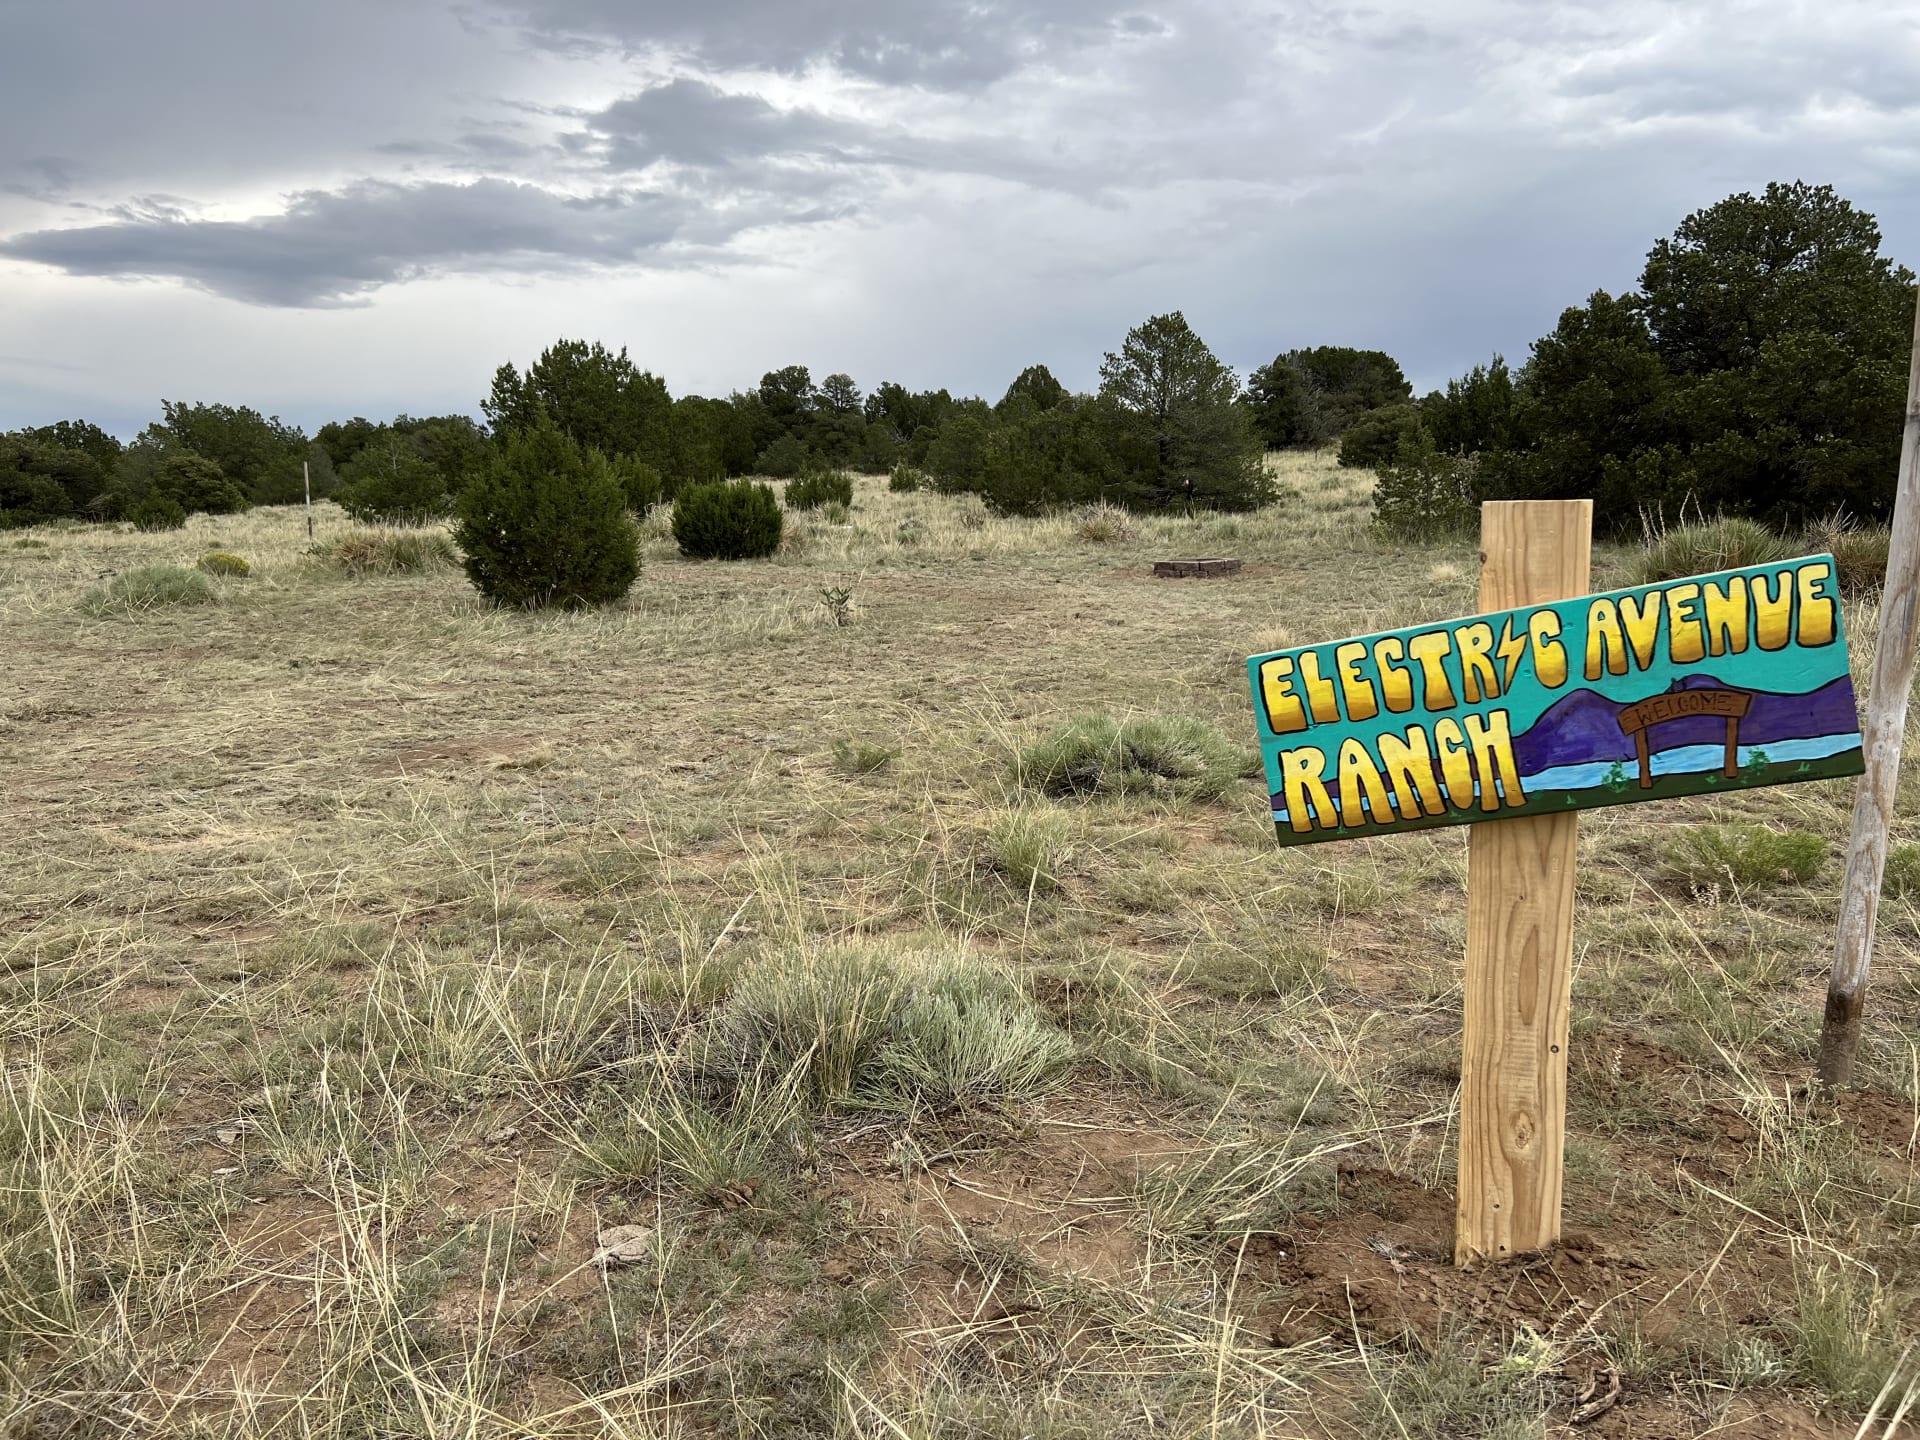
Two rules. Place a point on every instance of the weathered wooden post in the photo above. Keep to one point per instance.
(307, 480)
(1514, 720)
(1519, 978)
(1885, 735)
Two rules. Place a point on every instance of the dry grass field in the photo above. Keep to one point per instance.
(370, 958)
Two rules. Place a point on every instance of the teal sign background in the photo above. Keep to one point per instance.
(1713, 682)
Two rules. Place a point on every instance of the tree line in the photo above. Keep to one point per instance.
(1168, 427)
(1758, 369)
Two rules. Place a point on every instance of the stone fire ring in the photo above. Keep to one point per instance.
(1193, 569)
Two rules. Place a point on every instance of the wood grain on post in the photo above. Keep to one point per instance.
(1513, 1065)
(1882, 738)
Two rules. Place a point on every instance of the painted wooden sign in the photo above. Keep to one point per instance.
(1717, 682)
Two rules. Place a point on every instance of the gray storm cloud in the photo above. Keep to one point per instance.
(1436, 180)
(329, 246)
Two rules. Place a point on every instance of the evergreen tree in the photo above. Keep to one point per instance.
(391, 481)
(1181, 437)
(197, 485)
(258, 454)
(509, 406)
(546, 525)
(1286, 405)
(1037, 387)
(1759, 370)
(727, 520)
(1474, 413)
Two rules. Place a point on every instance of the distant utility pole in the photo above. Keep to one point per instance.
(306, 478)
(1884, 733)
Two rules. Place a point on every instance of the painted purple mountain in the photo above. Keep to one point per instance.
(1585, 726)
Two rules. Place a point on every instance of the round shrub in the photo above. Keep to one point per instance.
(819, 487)
(223, 562)
(546, 524)
(727, 520)
(1377, 437)
(904, 479)
(148, 588)
(1425, 496)
(393, 487)
(197, 485)
(783, 459)
(157, 512)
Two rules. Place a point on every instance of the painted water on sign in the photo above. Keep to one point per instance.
(1723, 681)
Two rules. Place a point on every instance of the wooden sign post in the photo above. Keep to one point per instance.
(1519, 980)
(1515, 720)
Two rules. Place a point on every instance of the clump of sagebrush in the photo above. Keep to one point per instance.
(1859, 552)
(966, 1035)
(1742, 857)
(1701, 549)
(1173, 756)
(905, 479)
(546, 525)
(149, 588)
(885, 1028)
(388, 552)
(727, 520)
(814, 488)
(1104, 524)
(223, 562)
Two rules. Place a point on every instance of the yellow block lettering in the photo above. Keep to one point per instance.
(1641, 617)
(1476, 662)
(1321, 699)
(1359, 774)
(1605, 644)
(1362, 703)
(1454, 763)
(1816, 606)
(1686, 638)
(1285, 713)
(1492, 741)
(1549, 655)
(1727, 617)
(1409, 766)
(1772, 613)
(1396, 683)
(1303, 782)
(1428, 649)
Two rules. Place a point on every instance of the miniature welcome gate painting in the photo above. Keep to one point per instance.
(1717, 682)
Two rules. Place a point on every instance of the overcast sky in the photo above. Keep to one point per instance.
(364, 206)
